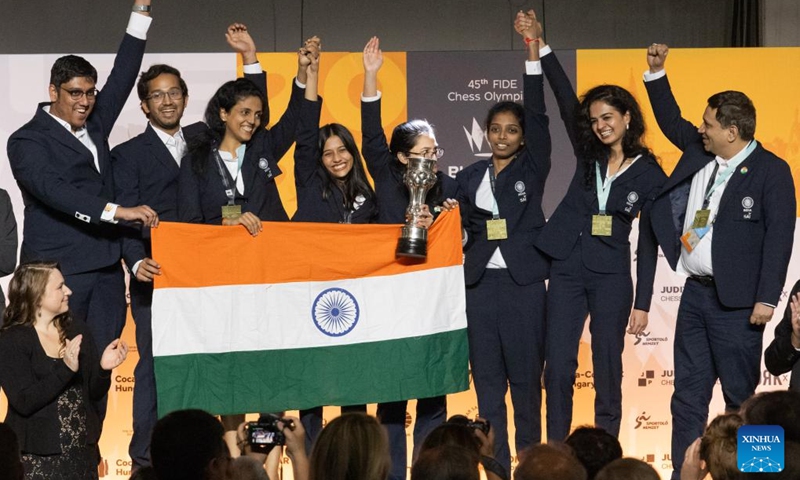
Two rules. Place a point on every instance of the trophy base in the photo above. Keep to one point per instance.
(412, 247)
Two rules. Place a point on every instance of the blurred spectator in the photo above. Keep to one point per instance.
(594, 447)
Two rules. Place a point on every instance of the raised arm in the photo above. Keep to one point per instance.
(537, 125)
(306, 152)
(677, 129)
(373, 140)
(284, 132)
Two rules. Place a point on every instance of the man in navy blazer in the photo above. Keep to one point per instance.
(725, 218)
(62, 164)
(146, 170)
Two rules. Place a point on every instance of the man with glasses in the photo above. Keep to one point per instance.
(62, 163)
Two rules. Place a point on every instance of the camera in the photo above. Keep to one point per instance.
(482, 425)
(266, 433)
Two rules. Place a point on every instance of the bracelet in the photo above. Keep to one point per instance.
(141, 8)
(528, 41)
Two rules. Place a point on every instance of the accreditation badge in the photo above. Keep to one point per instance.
(601, 225)
(691, 238)
(231, 211)
(496, 229)
(701, 218)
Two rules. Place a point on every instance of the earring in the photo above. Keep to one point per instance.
(627, 126)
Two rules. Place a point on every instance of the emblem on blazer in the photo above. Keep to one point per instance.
(335, 312)
(263, 164)
(743, 170)
(633, 197)
(520, 188)
(747, 202)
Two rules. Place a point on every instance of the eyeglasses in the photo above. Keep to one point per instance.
(77, 93)
(437, 152)
(159, 96)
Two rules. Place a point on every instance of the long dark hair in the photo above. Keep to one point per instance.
(590, 147)
(404, 137)
(228, 95)
(25, 293)
(355, 182)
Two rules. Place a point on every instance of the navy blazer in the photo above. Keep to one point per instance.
(781, 356)
(631, 193)
(311, 178)
(32, 381)
(145, 173)
(519, 190)
(201, 196)
(8, 243)
(751, 246)
(63, 192)
(392, 192)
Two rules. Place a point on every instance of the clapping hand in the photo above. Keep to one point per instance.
(115, 353)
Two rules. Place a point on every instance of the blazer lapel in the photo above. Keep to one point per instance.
(737, 178)
(56, 131)
(159, 150)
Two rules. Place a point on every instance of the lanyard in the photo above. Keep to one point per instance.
(223, 172)
(492, 180)
(604, 188)
(726, 174)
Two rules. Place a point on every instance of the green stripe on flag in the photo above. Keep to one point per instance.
(276, 380)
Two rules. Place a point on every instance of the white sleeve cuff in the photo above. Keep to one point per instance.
(138, 25)
(109, 212)
(546, 50)
(136, 267)
(533, 67)
(297, 82)
(649, 77)
(253, 68)
(371, 99)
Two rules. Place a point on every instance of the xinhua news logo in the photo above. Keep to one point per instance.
(760, 448)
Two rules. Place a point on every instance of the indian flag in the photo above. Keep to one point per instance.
(305, 314)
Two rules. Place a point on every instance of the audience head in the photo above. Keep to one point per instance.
(144, 473)
(594, 447)
(72, 90)
(37, 289)
(781, 407)
(10, 462)
(188, 445)
(453, 432)
(505, 129)
(627, 469)
(446, 462)
(718, 447)
(549, 462)
(163, 95)
(248, 468)
(351, 447)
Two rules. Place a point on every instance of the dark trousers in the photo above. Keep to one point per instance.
(506, 326)
(145, 410)
(573, 292)
(431, 412)
(98, 298)
(711, 342)
(312, 421)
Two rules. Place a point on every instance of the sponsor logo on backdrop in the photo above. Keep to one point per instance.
(122, 467)
(102, 468)
(645, 338)
(671, 293)
(649, 458)
(771, 380)
(649, 422)
(760, 448)
(123, 383)
(647, 377)
(584, 380)
(668, 377)
(477, 139)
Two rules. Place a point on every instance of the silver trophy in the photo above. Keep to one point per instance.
(419, 178)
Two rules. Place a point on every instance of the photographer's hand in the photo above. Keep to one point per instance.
(296, 446)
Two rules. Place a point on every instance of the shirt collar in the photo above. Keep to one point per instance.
(77, 133)
(164, 136)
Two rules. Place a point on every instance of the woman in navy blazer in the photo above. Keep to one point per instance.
(235, 162)
(386, 164)
(589, 245)
(332, 187)
(501, 209)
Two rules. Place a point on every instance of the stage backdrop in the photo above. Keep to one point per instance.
(454, 90)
